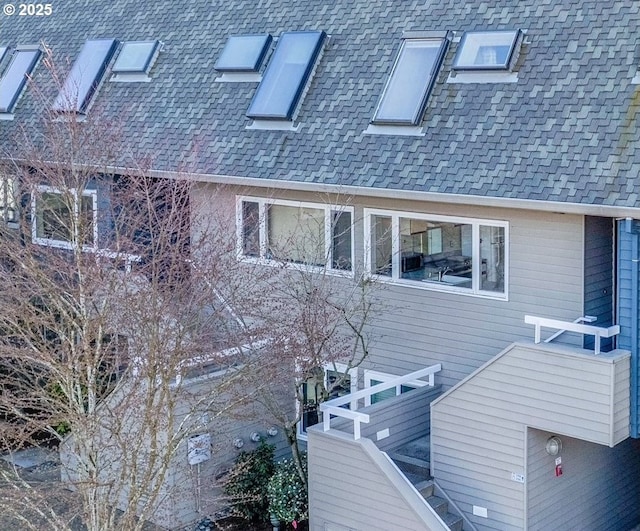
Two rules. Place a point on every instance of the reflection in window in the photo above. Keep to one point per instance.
(486, 50)
(8, 206)
(85, 76)
(286, 231)
(286, 76)
(321, 386)
(15, 77)
(410, 83)
(439, 252)
(61, 219)
(243, 53)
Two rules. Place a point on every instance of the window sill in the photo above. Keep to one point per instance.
(294, 266)
(483, 77)
(273, 125)
(130, 78)
(6, 116)
(636, 79)
(239, 77)
(394, 130)
(429, 285)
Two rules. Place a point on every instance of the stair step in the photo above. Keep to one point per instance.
(453, 521)
(439, 505)
(425, 487)
(411, 465)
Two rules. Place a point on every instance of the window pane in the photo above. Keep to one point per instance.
(15, 77)
(286, 75)
(296, 234)
(341, 241)
(382, 395)
(85, 76)
(86, 220)
(492, 258)
(250, 228)
(53, 217)
(135, 56)
(486, 50)
(381, 245)
(410, 82)
(243, 53)
(314, 392)
(436, 251)
(8, 207)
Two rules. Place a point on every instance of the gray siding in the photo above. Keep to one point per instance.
(578, 495)
(416, 327)
(478, 429)
(598, 275)
(367, 494)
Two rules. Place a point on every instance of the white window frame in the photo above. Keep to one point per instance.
(385, 377)
(63, 244)
(395, 277)
(263, 204)
(337, 367)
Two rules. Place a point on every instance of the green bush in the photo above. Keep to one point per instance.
(246, 483)
(288, 499)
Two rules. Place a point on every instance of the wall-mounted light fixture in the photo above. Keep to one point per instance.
(272, 431)
(255, 437)
(238, 443)
(553, 445)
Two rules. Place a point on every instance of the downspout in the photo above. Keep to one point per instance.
(635, 317)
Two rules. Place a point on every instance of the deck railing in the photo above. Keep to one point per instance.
(333, 408)
(566, 326)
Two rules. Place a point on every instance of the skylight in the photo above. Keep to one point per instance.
(410, 82)
(3, 54)
(486, 50)
(243, 53)
(15, 77)
(85, 76)
(286, 76)
(136, 57)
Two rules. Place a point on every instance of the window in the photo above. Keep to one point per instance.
(324, 384)
(8, 206)
(414, 72)
(135, 57)
(486, 50)
(85, 76)
(243, 53)
(296, 233)
(15, 77)
(287, 75)
(60, 219)
(4, 52)
(438, 252)
(372, 378)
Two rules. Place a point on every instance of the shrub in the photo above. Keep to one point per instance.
(288, 499)
(246, 483)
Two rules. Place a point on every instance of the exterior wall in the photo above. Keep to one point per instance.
(598, 275)
(416, 327)
(478, 428)
(629, 308)
(598, 489)
(367, 494)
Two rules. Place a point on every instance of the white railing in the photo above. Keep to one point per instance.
(566, 326)
(332, 408)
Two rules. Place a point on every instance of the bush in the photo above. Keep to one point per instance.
(288, 498)
(246, 484)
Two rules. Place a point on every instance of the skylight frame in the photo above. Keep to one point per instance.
(472, 42)
(142, 68)
(15, 76)
(276, 81)
(77, 93)
(5, 51)
(259, 54)
(393, 87)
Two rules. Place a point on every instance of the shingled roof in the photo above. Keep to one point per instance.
(567, 131)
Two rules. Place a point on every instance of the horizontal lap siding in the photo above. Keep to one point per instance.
(462, 332)
(348, 488)
(598, 491)
(478, 430)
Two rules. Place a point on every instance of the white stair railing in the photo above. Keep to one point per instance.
(332, 408)
(566, 326)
